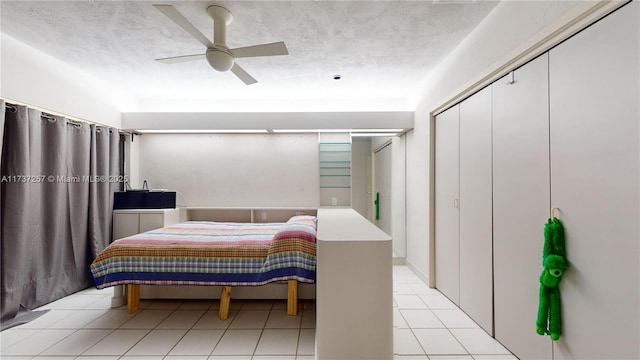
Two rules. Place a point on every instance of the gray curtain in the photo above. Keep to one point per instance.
(2, 113)
(104, 159)
(55, 204)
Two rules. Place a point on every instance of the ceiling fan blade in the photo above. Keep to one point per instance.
(173, 15)
(183, 58)
(277, 48)
(243, 75)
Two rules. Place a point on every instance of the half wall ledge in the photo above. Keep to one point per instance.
(354, 280)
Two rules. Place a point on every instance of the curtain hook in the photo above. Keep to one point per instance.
(553, 212)
(513, 78)
(48, 117)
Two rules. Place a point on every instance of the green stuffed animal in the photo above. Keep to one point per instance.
(554, 262)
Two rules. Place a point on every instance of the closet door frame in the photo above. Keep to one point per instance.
(447, 175)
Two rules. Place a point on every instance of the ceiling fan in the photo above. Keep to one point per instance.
(218, 54)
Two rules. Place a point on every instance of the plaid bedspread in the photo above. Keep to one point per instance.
(212, 253)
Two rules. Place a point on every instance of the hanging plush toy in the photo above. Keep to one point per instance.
(554, 263)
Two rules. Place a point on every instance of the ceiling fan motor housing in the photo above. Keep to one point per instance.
(219, 59)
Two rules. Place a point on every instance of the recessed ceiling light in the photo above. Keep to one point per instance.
(337, 77)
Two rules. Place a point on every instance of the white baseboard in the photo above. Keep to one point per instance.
(422, 276)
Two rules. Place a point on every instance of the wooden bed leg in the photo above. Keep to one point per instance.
(133, 298)
(292, 298)
(225, 299)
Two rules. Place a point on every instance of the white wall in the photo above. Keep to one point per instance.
(507, 32)
(132, 160)
(361, 176)
(398, 192)
(249, 170)
(32, 77)
(397, 169)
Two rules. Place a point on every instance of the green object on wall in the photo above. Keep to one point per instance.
(377, 202)
(554, 261)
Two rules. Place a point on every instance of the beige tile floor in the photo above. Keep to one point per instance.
(82, 326)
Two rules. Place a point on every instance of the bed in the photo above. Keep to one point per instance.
(205, 253)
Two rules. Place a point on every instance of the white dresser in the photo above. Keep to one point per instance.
(134, 221)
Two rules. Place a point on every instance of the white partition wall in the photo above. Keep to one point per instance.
(476, 277)
(447, 200)
(594, 110)
(520, 204)
(354, 282)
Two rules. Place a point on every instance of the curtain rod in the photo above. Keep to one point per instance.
(48, 113)
(74, 120)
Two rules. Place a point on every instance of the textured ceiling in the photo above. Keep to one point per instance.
(382, 49)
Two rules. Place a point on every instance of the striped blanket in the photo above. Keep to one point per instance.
(212, 253)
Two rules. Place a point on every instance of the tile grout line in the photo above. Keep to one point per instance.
(302, 311)
(411, 328)
(261, 332)
(75, 311)
(149, 331)
(186, 332)
(223, 332)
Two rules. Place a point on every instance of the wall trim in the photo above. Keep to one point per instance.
(51, 112)
(574, 21)
(267, 120)
(383, 145)
(432, 204)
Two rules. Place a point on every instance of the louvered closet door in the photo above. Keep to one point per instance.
(447, 247)
(476, 284)
(520, 205)
(594, 81)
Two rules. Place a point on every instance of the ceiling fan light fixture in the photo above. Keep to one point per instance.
(219, 59)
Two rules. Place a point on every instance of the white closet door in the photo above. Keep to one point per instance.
(476, 251)
(446, 222)
(520, 205)
(594, 81)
